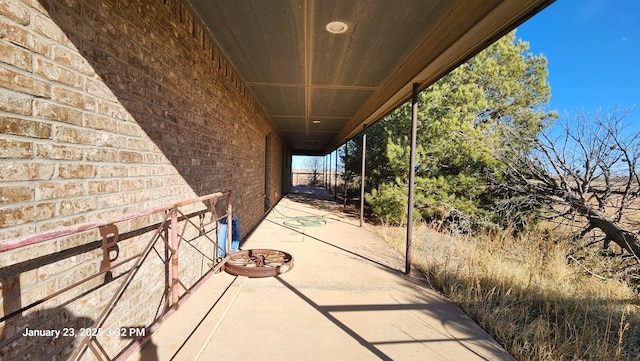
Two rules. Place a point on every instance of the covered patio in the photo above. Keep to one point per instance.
(346, 298)
(125, 121)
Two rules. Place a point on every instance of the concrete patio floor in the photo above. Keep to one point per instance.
(346, 298)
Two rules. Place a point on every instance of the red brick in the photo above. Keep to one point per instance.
(130, 157)
(74, 135)
(25, 214)
(110, 140)
(153, 158)
(35, 293)
(14, 283)
(18, 103)
(99, 122)
(15, 11)
(16, 194)
(76, 206)
(49, 110)
(43, 25)
(142, 145)
(54, 72)
(60, 222)
(68, 97)
(99, 89)
(130, 128)
(24, 127)
(134, 184)
(113, 200)
(26, 39)
(142, 171)
(103, 186)
(19, 171)
(112, 109)
(73, 170)
(15, 232)
(101, 155)
(112, 171)
(15, 149)
(71, 59)
(23, 83)
(15, 55)
(36, 5)
(56, 190)
(49, 271)
(58, 151)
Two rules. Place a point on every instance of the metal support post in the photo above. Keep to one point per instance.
(329, 173)
(335, 179)
(346, 183)
(412, 175)
(363, 176)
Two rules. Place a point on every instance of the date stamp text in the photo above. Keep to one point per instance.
(122, 332)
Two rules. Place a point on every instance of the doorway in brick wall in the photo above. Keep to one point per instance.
(267, 156)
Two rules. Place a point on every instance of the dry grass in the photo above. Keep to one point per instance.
(523, 291)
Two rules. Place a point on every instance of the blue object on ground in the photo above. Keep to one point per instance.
(222, 236)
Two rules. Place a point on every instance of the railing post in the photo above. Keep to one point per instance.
(229, 224)
(174, 259)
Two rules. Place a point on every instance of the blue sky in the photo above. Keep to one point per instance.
(593, 53)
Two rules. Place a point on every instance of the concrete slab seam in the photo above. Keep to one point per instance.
(237, 285)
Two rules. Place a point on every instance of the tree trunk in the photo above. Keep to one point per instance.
(614, 232)
(622, 237)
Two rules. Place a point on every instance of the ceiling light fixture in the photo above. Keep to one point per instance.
(315, 121)
(337, 27)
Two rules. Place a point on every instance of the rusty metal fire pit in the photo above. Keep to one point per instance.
(256, 263)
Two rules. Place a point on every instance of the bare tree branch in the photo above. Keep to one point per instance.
(583, 169)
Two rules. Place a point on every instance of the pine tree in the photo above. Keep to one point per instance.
(463, 119)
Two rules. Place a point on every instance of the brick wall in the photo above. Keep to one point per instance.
(107, 108)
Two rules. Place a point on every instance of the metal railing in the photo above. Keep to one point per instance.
(167, 230)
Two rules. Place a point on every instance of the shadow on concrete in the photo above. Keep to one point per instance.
(507, 293)
(316, 197)
(334, 320)
(149, 352)
(382, 265)
(320, 199)
(436, 309)
(466, 335)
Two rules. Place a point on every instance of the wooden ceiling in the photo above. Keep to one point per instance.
(320, 88)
